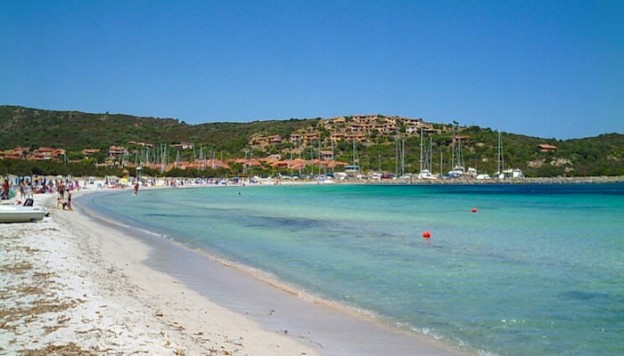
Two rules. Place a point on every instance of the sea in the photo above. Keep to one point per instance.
(509, 269)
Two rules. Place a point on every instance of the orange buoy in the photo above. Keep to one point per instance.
(474, 210)
(426, 235)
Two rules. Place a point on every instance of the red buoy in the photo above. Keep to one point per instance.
(426, 235)
(474, 210)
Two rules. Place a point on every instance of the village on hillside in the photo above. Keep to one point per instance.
(360, 129)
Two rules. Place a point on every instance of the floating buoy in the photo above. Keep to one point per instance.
(426, 235)
(474, 210)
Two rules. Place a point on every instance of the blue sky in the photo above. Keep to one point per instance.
(540, 68)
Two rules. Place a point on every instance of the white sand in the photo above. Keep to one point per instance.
(71, 285)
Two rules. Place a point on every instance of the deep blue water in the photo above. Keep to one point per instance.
(538, 269)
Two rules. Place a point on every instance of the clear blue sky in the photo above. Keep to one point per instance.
(541, 68)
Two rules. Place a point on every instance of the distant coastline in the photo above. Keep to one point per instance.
(416, 181)
(88, 144)
(537, 180)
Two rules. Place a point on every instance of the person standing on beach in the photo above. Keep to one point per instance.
(68, 202)
(5, 189)
(136, 187)
(28, 190)
(61, 189)
(65, 202)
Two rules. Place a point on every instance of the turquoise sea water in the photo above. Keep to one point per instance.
(538, 269)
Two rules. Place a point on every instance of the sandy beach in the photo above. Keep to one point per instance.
(73, 284)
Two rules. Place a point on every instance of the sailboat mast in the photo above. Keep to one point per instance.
(396, 154)
(453, 149)
(421, 150)
(501, 162)
(402, 157)
(459, 164)
(356, 161)
(441, 163)
(430, 152)
(502, 153)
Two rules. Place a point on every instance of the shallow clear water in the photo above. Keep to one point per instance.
(538, 269)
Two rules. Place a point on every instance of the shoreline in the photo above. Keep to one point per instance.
(128, 293)
(71, 286)
(331, 328)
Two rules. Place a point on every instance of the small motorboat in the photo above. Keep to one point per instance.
(19, 213)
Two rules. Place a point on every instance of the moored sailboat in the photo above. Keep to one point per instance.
(503, 173)
(425, 161)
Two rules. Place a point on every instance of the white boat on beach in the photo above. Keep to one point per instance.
(18, 213)
(426, 174)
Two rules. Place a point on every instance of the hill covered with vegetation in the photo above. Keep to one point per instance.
(74, 131)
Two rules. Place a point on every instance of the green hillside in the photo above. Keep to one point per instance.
(74, 131)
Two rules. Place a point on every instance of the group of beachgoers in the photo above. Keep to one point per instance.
(21, 189)
(64, 197)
